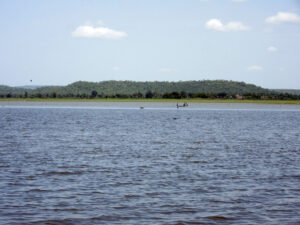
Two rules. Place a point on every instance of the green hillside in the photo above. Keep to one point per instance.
(135, 89)
(289, 91)
(4, 89)
(130, 87)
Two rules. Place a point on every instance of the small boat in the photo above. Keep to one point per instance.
(185, 104)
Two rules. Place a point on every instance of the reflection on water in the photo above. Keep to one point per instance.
(90, 164)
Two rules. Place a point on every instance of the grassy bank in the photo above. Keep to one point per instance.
(194, 100)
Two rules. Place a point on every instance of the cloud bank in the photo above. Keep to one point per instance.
(215, 24)
(88, 31)
(283, 17)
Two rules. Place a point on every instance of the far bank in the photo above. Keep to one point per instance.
(194, 100)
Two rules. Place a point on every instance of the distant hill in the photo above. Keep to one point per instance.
(4, 89)
(290, 91)
(130, 87)
(29, 86)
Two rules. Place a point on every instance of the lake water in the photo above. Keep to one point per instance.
(113, 163)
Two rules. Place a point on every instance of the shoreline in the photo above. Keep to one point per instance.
(230, 101)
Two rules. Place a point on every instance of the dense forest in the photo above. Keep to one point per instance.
(132, 89)
(289, 91)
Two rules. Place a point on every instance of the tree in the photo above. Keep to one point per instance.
(175, 94)
(149, 94)
(221, 95)
(183, 94)
(38, 95)
(94, 94)
(53, 95)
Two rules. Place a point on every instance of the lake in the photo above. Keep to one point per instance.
(114, 163)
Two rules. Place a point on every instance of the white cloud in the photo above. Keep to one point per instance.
(116, 68)
(88, 31)
(215, 24)
(283, 17)
(272, 49)
(166, 70)
(255, 68)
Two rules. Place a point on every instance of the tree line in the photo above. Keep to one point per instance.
(154, 95)
(210, 89)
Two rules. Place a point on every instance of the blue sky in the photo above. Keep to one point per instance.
(60, 42)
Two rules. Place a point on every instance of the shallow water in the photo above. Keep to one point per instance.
(77, 163)
(148, 105)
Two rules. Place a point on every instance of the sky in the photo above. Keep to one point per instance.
(58, 42)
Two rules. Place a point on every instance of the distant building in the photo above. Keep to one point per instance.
(241, 97)
(264, 97)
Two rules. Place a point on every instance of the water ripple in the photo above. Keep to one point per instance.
(153, 166)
